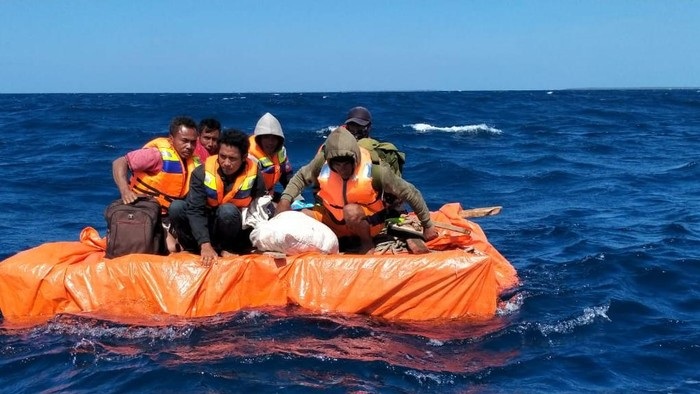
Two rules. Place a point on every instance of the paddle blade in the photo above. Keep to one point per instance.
(479, 212)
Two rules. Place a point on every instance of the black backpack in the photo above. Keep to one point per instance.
(134, 228)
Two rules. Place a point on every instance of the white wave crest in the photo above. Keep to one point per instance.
(567, 326)
(476, 128)
(509, 307)
(326, 130)
(427, 378)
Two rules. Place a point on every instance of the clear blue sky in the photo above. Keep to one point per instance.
(311, 46)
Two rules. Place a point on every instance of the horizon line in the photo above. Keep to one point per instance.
(371, 91)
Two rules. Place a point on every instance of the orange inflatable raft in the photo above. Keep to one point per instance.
(461, 278)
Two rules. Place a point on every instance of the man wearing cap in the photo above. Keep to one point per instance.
(359, 123)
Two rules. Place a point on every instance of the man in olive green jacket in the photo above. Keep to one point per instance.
(342, 155)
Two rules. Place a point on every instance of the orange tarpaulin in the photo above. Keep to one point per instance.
(461, 279)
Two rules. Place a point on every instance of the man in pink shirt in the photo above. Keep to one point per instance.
(208, 142)
(160, 169)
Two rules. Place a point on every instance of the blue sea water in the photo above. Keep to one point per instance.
(601, 217)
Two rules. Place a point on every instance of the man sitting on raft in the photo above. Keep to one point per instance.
(351, 190)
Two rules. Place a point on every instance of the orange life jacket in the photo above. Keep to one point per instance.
(172, 181)
(336, 193)
(270, 167)
(240, 194)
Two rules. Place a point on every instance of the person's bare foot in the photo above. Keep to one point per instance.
(225, 253)
(171, 243)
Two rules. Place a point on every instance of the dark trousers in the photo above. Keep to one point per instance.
(224, 224)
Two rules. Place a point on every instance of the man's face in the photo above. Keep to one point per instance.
(230, 159)
(358, 131)
(184, 141)
(269, 143)
(344, 166)
(210, 140)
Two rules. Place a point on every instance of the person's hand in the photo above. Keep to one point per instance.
(208, 255)
(429, 233)
(128, 196)
(283, 205)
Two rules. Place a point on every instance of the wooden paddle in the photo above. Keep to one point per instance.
(469, 213)
(452, 227)
(418, 246)
(480, 212)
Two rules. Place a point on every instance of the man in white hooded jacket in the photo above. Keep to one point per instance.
(267, 146)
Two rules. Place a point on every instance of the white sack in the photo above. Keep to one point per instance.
(293, 232)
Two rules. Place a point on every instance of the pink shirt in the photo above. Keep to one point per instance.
(146, 160)
(201, 151)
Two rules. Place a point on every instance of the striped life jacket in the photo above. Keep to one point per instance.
(172, 181)
(240, 194)
(270, 167)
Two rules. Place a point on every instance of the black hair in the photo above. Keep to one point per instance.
(237, 138)
(208, 124)
(179, 121)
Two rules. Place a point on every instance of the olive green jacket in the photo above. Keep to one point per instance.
(383, 179)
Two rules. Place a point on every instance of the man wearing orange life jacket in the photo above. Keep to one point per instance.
(351, 188)
(267, 146)
(209, 220)
(160, 169)
(359, 123)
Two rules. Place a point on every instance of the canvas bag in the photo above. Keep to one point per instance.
(134, 228)
(385, 153)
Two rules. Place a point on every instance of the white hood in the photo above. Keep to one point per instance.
(268, 125)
